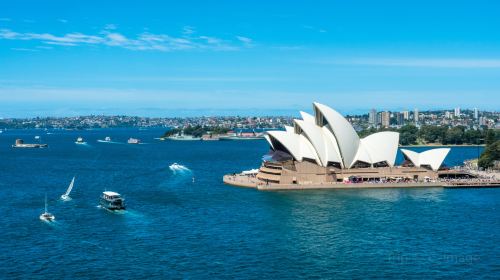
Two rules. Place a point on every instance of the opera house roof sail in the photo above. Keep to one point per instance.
(328, 139)
(432, 158)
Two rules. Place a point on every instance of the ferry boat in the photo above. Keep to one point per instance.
(80, 141)
(112, 201)
(133, 141)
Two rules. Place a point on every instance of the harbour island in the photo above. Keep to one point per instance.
(325, 152)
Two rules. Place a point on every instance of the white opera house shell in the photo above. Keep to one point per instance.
(328, 139)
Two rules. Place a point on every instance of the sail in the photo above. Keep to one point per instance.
(70, 186)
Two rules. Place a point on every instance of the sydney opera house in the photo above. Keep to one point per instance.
(324, 148)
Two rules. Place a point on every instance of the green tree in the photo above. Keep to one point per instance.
(491, 136)
(490, 154)
(454, 136)
(408, 135)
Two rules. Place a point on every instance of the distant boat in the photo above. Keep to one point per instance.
(37, 137)
(133, 141)
(183, 137)
(106, 140)
(66, 196)
(178, 167)
(112, 201)
(80, 141)
(46, 216)
(20, 144)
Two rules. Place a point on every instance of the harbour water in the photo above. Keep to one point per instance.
(177, 227)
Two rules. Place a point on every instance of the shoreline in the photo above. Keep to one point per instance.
(251, 182)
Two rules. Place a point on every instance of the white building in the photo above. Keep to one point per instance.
(328, 139)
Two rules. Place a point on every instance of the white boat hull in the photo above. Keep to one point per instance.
(65, 197)
(46, 218)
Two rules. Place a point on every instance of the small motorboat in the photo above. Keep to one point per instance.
(46, 216)
(65, 196)
(112, 201)
(80, 141)
(133, 141)
(178, 167)
(107, 139)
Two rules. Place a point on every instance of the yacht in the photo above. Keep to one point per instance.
(133, 141)
(112, 201)
(65, 196)
(80, 141)
(46, 216)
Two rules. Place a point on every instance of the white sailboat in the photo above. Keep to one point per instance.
(65, 196)
(46, 216)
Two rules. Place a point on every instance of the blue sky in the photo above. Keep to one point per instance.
(186, 58)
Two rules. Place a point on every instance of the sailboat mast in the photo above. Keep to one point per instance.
(45, 203)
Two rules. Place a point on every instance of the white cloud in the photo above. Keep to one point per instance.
(245, 40)
(143, 41)
(23, 50)
(420, 62)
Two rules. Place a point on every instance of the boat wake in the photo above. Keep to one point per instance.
(109, 142)
(117, 212)
(175, 167)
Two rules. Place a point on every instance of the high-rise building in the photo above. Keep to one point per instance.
(482, 121)
(416, 115)
(447, 115)
(457, 112)
(400, 118)
(476, 113)
(406, 115)
(372, 117)
(386, 119)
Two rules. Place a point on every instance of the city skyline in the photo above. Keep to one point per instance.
(194, 58)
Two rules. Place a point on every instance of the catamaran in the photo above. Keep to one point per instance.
(46, 216)
(65, 196)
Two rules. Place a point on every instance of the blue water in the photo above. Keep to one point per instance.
(175, 228)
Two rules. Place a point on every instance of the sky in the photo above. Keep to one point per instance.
(193, 58)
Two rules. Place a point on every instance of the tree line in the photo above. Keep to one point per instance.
(196, 131)
(429, 134)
